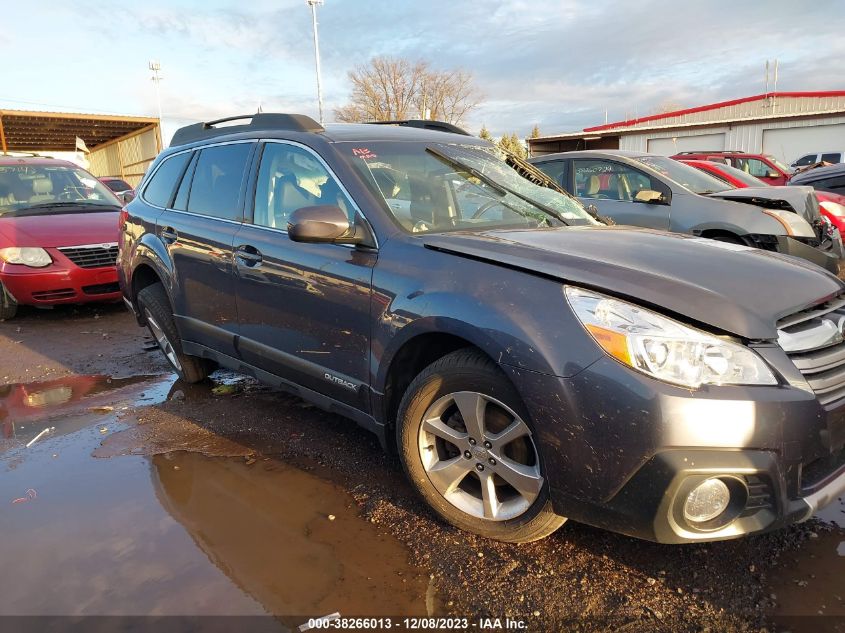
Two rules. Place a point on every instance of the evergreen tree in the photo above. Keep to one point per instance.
(485, 133)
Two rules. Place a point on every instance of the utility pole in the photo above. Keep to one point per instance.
(313, 4)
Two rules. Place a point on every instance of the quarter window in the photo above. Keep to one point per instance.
(291, 178)
(159, 190)
(607, 180)
(216, 186)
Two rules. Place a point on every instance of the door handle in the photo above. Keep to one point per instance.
(168, 235)
(248, 255)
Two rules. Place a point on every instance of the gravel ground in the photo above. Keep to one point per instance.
(580, 578)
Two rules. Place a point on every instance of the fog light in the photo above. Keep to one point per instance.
(707, 501)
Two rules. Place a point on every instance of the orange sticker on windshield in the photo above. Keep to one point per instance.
(363, 152)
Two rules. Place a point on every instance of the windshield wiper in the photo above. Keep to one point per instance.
(61, 204)
(495, 185)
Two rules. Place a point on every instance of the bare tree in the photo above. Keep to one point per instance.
(390, 88)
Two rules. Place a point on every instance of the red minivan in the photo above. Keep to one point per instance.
(763, 166)
(58, 235)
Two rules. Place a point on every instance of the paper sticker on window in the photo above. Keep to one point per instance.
(363, 152)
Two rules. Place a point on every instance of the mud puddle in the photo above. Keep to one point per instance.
(177, 533)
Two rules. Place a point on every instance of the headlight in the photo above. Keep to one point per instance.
(31, 256)
(664, 348)
(792, 223)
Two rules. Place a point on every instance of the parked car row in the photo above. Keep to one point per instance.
(657, 192)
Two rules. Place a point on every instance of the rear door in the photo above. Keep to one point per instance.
(612, 187)
(304, 309)
(198, 230)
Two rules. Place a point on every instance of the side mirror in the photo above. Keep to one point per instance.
(772, 174)
(127, 197)
(322, 224)
(649, 196)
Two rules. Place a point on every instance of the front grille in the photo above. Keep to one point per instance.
(94, 256)
(815, 342)
(47, 295)
(101, 289)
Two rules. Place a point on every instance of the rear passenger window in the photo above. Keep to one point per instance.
(159, 190)
(216, 185)
(832, 158)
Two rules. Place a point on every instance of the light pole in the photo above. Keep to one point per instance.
(155, 66)
(313, 4)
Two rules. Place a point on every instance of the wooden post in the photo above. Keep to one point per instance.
(2, 135)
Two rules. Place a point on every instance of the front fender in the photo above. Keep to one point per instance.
(518, 319)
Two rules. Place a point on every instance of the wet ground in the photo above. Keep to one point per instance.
(148, 496)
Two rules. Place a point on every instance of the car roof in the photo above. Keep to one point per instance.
(593, 153)
(35, 160)
(343, 132)
(819, 173)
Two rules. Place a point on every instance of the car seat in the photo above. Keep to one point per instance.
(42, 190)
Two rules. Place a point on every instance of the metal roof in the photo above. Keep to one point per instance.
(25, 130)
(792, 105)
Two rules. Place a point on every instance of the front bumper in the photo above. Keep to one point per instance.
(57, 284)
(622, 451)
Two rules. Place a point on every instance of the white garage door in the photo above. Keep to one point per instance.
(702, 143)
(790, 143)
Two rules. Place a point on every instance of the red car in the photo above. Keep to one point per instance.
(832, 205)
(763, 166)
(119, 186)
(58, 235)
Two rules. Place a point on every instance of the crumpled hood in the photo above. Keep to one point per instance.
(60, 229)
(737, 289)
(802, 200)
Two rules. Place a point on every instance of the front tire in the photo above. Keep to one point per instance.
(8, 305)
(466, 443)
(157, 313)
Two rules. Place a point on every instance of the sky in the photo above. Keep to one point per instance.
(561, 65)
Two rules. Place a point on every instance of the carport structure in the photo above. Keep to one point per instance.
(120, 146)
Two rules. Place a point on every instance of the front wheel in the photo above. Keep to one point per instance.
(469, 450)
(155, 308)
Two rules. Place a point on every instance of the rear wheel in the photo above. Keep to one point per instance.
(156, 310)
(468, 448)
(8, 305)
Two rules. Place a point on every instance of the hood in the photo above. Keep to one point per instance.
(60, 229)
(801, 200)
(736, 289)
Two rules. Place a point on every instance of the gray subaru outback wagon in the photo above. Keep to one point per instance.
(527, 363)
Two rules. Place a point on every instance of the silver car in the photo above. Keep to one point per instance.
(641, 189)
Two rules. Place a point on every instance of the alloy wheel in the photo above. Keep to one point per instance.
(162, 340)
(480, 455)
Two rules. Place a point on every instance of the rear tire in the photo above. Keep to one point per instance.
(481, 473)
(155, 308)
(8, 305)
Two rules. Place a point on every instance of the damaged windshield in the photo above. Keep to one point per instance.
(434, 187)
(27, 189)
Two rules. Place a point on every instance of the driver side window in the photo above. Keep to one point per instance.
(291, 178)
(608, 180)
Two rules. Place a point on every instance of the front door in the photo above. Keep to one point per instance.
(612, 188)
(199, 230)
(303, 309)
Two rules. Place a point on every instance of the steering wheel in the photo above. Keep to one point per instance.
(66, 196)
(484, 208)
